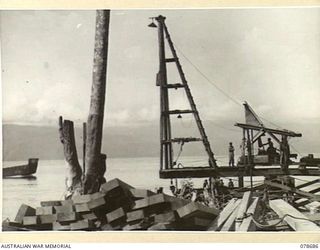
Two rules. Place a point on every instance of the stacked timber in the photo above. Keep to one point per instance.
(117, 206)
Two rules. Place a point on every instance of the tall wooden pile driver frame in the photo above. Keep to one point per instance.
(166, 140)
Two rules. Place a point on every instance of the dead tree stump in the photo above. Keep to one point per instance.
(94, 160)
(73, 171)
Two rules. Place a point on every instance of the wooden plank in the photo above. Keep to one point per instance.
(314, 190)
(308, 183)
(229, 225)
(293, 190)
(23, 211)
(282, 208)
(271, 130)
(224, 215)
(242, 209)
(247, 223)
(204, 172)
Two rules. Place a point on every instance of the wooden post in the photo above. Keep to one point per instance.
(93, 158)
(74, 172)
(165, 123)
(84, 138)
(240, 181)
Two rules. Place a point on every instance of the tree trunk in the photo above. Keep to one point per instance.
(94, 160)
(73, 171)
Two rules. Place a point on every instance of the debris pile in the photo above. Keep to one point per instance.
(117, 206)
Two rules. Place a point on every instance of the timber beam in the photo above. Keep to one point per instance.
(203, 172)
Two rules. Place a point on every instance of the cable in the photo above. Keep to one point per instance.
(217, 87)
(205, 77)
(258, 224)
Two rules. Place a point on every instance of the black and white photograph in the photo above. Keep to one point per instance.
(161, 119)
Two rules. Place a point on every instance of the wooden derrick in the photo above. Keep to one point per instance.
(74, 173)
(94, 161)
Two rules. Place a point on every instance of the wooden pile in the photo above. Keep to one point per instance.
(117, 206)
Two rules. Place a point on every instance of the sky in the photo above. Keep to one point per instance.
(267, 57)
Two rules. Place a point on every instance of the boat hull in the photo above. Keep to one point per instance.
(22, 170)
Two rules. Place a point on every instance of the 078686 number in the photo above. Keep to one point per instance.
(309, 246)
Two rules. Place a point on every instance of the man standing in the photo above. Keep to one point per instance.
(231, 155)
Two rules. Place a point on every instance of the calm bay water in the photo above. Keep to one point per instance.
(48, 183)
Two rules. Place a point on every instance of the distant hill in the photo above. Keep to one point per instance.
(21, 142)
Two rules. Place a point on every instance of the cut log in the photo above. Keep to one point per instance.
(282, 208)
(95, 164)
(247, 223)
(224, 215)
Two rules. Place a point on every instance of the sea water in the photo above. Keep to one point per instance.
(49, 181)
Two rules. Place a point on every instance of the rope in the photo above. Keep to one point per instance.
(258, 224)
(180, 151)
